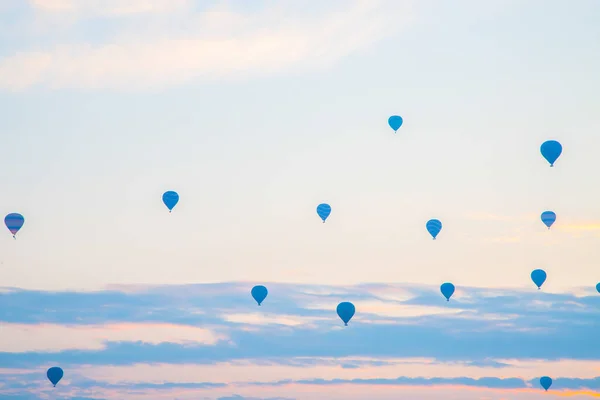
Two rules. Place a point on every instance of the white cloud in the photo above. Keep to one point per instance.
(18, 338)
(268, 319)
(219, 43)
(366, 309)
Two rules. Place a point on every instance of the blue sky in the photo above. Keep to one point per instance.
(257, 113)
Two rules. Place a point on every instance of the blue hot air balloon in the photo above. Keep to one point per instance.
(14, 222)
(323, 210)
(598, 287)
(548, 218)
(54, 374)
(395, 122)
(434, 226)
(259, 293)
(546, 382)
(447, 290)
(345, 311)
(538, 276)
(170, 199)
(551, 150)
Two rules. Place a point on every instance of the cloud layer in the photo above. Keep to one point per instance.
(213, 340)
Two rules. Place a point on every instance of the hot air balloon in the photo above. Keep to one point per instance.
(395, 122)
(551, 150)
(54, 374)
(598, 287)
(345, 311)
(14, 222)
(548, 218)
(546, 382)
(259, 293)
(323, 210)
(447, 290)
(434, 226)
(170, 199)
(538, 276)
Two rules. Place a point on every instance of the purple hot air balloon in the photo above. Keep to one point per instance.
(14, 222)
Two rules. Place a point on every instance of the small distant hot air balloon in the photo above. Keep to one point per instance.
(54, 375)
(551, 150)
(538, 276)
(546, 382)
(598, 287)
(323, 210)
(548, 218)
(170, 199)
(395, 122)
(259, 293)
(345, 311)
(434, 226)
(14, 222)
(447, 290)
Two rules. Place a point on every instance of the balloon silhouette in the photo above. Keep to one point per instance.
(548, 218)
(259, 293)
(14, 222)
(323, 210)
(447, 290)
(434, 226)
(395, 122)
(170, 199)
(346, 311)
(538, 276)
(546, 382)
(598, 287)
(54, 374)
(551, 150)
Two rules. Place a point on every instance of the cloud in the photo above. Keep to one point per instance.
(80, 386)
(175, 324)
(17, 338)
(212, 340)
(216, 43)
(264, 319)
(107, 7)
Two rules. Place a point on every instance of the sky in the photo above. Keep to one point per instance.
(256, 112)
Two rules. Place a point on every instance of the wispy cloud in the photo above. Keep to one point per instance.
(92, 8)
(196, 44)
(18, 338)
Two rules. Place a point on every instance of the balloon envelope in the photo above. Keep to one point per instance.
(14, 222)
(54, 374)
(323, 210)
(170, 199)
(346, 311)
(546, 382)
(395, 122)
(447, 290)
(434, 226)
(598, 287)
(551, 150)
(538, 276)
(548, 218)
(259, 293)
